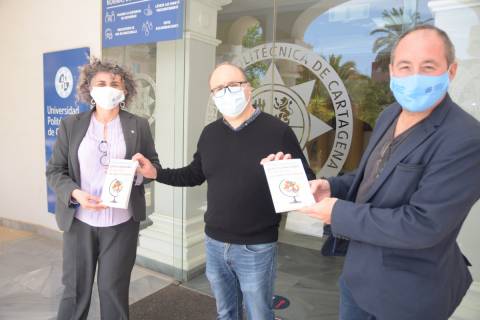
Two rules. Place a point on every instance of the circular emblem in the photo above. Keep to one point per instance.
(290, 103)
(288, 106)
(64, 82)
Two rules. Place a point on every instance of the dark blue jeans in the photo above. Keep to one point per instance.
(242, 275)
(349, 309)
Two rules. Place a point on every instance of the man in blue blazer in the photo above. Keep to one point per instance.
(403, 208)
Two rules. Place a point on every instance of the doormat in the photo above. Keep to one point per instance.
(174, 303)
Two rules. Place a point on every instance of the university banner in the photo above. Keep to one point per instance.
(60, 77)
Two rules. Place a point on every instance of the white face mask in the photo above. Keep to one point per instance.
(107, 97)
(232, 103)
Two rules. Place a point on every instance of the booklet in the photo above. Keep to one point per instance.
(118, 183)
(304, 224)
(288, 185)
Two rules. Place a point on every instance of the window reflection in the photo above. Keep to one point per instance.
(356, 39)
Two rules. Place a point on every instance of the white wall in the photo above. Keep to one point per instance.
(29, 29)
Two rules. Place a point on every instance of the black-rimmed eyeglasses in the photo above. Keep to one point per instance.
(233, 87)
(103, 148)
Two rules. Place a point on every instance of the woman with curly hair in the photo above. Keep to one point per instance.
(97, 236)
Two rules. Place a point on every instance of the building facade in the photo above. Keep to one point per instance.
(320, 66)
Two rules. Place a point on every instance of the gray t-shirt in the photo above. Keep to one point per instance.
(383, 151)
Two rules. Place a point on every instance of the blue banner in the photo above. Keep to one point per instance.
(60, 78)
(128, 22)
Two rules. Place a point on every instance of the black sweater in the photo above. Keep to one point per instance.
(240, 208)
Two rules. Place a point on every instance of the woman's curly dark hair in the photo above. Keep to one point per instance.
(89, 70)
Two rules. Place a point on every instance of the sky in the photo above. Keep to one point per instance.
(345, 29)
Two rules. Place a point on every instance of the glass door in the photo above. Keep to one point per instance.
(158, 69)
(322, 68)
(141, 61)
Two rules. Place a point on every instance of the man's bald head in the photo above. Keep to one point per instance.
(449, 48)
(225, 73)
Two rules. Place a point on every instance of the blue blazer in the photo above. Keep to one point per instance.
(403, 261)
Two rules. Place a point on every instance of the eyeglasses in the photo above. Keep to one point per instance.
(233, 87)
(103, 148)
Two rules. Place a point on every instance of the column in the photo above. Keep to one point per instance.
(173, 244)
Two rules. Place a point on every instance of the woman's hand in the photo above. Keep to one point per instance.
(88, 201)
(145, 167)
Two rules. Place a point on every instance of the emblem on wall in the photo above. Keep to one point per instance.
(290, 103)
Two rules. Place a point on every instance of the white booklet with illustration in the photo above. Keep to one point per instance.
(288, 185)
(118, 183)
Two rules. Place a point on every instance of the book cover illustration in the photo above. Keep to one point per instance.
(288, 185)
(118, 183)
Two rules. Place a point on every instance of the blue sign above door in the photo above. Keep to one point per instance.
(128, 22)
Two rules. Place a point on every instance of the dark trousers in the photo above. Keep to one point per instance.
(349, 309)
(113, 249)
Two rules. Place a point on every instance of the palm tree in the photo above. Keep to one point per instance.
(396, 23)
(253, 38)
(346, 71)
(321, 105)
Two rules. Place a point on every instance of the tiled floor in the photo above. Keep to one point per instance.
(309, 281)
(30, 286)
(306, 279)
(30, 278)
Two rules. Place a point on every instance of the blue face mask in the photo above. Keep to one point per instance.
(418, 93)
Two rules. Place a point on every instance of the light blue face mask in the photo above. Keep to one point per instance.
(418, 93)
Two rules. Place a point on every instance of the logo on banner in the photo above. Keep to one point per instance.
(64, 82)
(289, 103)
(108, 34)
(110, 16)
(148, 11)
(147, 26)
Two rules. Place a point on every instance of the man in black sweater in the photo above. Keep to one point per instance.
(241, 225)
